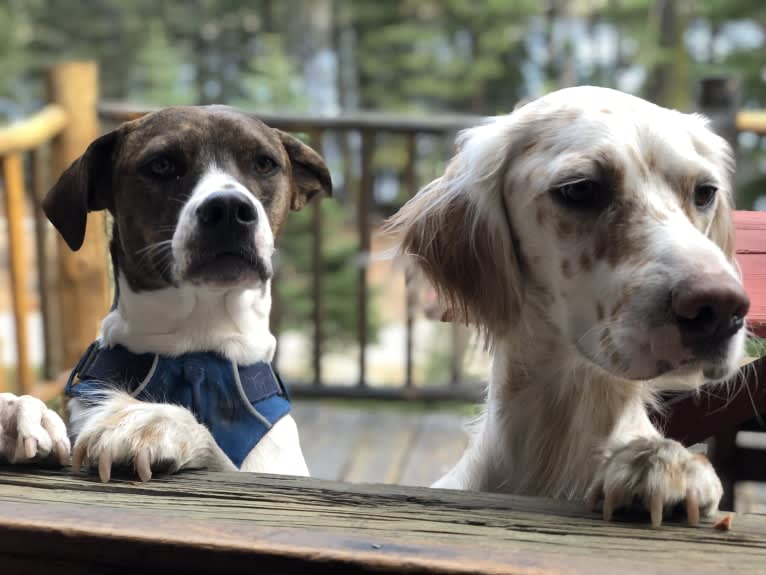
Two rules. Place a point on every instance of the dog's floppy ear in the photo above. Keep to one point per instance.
(309, 172)
(82, 188)
(457, 231)
(715, 148)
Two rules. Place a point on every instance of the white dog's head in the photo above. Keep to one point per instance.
(599, 217)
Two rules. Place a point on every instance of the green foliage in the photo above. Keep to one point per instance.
(756, 347)
(12, 60)
(158, 68)
(419, 56)
(272, 82)
(455, 54)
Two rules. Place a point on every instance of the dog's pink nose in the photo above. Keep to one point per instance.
(709, 308)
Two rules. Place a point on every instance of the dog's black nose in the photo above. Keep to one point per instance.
(224, 209)
(709, 308)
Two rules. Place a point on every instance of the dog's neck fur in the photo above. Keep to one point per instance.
(555, 455)
(175, 320)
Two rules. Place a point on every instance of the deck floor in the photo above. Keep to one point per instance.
(382, 444)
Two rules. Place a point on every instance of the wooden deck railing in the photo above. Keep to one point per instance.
(717, 97)
(370, 128)
(74, 287)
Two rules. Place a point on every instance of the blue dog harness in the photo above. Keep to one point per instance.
(238, 404)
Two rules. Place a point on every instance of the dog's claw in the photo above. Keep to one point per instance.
(105, 466)
(62, 452)
(692, 508)
(77, 457)
(143, 465)
(655, 509)
(30, 447)
(610, 502)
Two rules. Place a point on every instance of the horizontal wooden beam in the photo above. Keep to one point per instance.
(436, 124)
(752, 121)
(117, 112)
(197, 522)
(32, 132)
(465, 392)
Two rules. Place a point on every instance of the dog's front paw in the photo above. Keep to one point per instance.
(124, 432)
(658, 475)
(29, 431)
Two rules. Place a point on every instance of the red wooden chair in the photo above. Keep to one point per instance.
(720, 415)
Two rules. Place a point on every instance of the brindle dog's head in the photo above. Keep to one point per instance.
(197, 195)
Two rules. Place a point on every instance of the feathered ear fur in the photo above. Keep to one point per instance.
(722, 228)
(456, 230)
(718, 150)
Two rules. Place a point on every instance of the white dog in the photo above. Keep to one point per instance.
(588, 235)
(181, 375)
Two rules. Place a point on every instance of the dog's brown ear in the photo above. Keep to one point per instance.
(457, 231)
(309, 172)
(82, 188)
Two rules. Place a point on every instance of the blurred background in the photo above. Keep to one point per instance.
(381, 87)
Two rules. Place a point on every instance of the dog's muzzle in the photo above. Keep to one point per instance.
(223, 247)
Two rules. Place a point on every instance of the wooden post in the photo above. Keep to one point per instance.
(13, 176)
(718, 98)
(45, 261)
(83, 285)
(363, 227)
(411, 185)
(315, 141)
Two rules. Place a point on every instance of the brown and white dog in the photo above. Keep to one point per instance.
(197, 195)
(589, 235)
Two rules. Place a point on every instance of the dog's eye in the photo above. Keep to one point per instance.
(162, 167)
(704, 194)
(580, 195)
(264, 165)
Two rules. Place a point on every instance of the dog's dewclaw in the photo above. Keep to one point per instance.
(724, 524)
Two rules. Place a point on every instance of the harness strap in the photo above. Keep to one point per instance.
(119, 366)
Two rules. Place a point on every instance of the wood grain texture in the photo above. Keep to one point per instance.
(83, 291)
(13, 178)
(751, 255)
(33, 132)
(230, 522)
(376, 443)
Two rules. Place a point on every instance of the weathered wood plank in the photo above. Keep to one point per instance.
(439, 444)
(382, 446)
(194, 521)
(327, 437)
